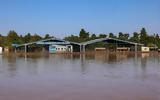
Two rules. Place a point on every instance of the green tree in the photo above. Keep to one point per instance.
(123, 36)
(157, 36)
(157, 40)
(135, 37)
(21, 39)
(35, 37)
(1, 41)
(126, 36)
(120, 36)
(12, 38)
(73, 38)
(47, 36)
(27, 38)
(102, 36)
(154, 40)
(111, 35)
(83, 34)
(143, 36)
(93, 36)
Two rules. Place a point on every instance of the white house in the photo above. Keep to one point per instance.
(60, 48)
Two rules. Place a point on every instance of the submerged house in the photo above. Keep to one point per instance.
(60, 48)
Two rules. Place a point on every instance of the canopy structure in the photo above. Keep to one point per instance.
(81, 46)
(51, 41)
(110, 40)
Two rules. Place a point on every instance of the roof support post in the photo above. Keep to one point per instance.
(116, 47)
(136, 48)
(84, 49)
(15, 49)
(80, 48)
(71, 48)
(25, 48)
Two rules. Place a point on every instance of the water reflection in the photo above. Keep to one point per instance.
(1, 64)
(37, 64)
(0, 59)
(116, 76)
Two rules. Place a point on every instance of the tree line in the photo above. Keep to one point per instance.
(141, 37)
(13, 38)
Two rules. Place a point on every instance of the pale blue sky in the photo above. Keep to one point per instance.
(64, 17)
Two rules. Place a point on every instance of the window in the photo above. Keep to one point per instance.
(53, 47)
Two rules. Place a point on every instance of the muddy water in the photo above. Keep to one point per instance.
(80, 77)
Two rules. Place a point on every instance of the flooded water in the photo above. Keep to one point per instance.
(80, 77)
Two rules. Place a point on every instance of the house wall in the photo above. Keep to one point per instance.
(60, 48)
(123, 49)
(1, 50)
(145, 49)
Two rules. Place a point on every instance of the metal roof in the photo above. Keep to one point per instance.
(54, 41)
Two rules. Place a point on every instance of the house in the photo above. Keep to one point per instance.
(60, 48)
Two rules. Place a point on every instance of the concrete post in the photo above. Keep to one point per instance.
(25, 48)
(80, 48)
(136, 48)
(44, 50)
(71, 48)
(15, 50)
(84, 49)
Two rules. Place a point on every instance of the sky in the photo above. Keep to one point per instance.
(61, 18)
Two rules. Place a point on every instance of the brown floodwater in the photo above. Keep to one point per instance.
(98, 76)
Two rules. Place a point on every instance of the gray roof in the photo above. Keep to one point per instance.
(64, 42)
(47, 41)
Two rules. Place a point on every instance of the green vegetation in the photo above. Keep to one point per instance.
(14, 38)
(142, 37)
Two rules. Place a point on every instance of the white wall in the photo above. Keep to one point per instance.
(145, 49)
(60, 48)
(1, 50)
